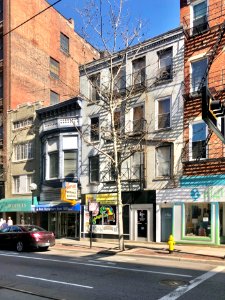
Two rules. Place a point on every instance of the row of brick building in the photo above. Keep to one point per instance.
(55, 130)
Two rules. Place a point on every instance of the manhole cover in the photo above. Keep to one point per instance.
(173, 283)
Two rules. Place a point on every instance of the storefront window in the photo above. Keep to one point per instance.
(106, 216)
(197, 219)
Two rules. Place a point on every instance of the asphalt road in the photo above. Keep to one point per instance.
(63, 275)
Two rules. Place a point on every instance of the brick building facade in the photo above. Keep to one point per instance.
(40, 57)
(199, 202)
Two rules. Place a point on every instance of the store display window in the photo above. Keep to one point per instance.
(198, 219)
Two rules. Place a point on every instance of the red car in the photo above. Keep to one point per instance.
(23, 237)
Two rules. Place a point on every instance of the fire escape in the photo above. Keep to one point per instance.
(131, 133)
(207, 33)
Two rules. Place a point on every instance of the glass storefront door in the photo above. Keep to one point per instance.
(166, 223)
(70, 225)
(142, 223)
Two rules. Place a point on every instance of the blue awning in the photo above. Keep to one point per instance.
(57, 207)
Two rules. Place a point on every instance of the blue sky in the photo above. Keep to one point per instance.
(159, 16)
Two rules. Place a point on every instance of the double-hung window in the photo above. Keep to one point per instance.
(138, 119)
(54, 98)
(113, 171)
(119, 79)
(53, 164)
(53, 158)
(23, 151)
(163, 161)
(200, 18)
(70, 157)
(22, 184)
(198, 140)
(94, 87)
(60, 157)
(117, 120)
(198, 69)
(94, 169)
(164, 107)
(95, 129)
(54, 68)
(165, 64)
(64, 43)
(138, 66)
(70, 163)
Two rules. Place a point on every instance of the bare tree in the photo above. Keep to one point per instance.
(114, 94)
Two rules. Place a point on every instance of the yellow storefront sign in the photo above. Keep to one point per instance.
(64, 197)
(102, 198)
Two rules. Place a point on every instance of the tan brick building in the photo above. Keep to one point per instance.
(40, 54)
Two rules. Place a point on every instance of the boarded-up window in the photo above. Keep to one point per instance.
(54, 68)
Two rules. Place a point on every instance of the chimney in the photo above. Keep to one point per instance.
(71, 21)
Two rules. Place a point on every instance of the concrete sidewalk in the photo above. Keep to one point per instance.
(156, 250)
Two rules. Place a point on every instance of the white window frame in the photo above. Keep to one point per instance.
(157, 112)
(91, 137)
(60, 144)
(190, 139)
(191, 72)
(94, 87)
(23, 123)
(169, 146)
(194, 3)
(23, 151)
(91, 170)
(19, 188)
(139, 73)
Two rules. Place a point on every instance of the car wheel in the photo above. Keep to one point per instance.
(19, 246)
(44, 248)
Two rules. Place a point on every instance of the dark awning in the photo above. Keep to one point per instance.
(51, 206)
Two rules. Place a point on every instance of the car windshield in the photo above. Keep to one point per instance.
(32, 228)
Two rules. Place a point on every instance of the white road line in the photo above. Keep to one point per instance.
(96, 265)
(102, 262)
(55, 281)
(193, 283)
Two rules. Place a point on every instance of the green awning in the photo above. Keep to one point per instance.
(15, 205)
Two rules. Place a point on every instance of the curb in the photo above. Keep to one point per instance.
(165, 256)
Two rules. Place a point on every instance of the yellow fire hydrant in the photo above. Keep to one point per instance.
(171, 243)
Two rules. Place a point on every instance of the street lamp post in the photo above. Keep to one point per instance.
(33, 188)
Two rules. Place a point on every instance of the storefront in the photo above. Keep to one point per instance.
(19, 209)
(61, 218)
(105, 220)
(138, 216)
(197, 214)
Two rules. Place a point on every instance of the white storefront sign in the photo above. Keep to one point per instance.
(196, 194)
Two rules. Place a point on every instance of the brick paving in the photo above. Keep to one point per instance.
(195, 253)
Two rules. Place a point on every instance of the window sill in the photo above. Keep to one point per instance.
(22, 193)
(65, 52)
(93, 183)
(54, 77)
(95, 142)
(166, 178)
(162, 130)
(22, 128)
(22, 161)
(163, 81)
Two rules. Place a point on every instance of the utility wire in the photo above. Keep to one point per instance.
(40, 12)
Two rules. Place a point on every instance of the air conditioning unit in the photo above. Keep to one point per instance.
(164, 73)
